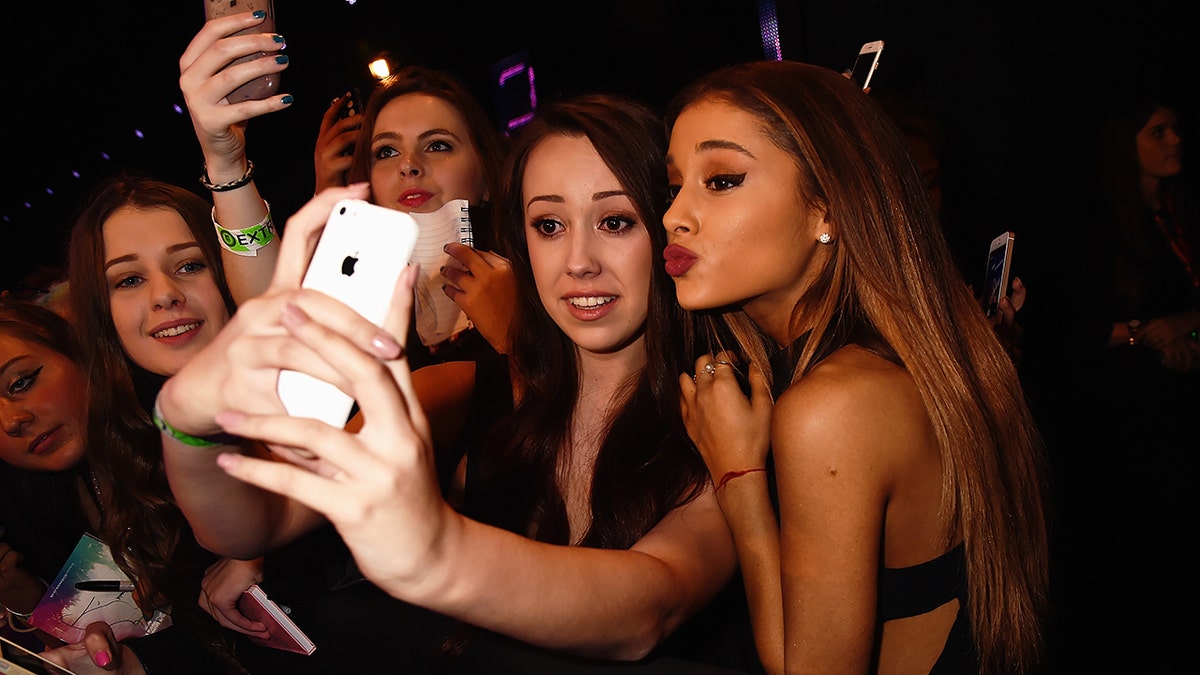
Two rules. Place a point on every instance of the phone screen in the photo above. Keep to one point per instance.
(996, 282)
(865, 63)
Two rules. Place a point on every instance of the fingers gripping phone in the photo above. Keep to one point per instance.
(995, 283)
(265, 85)
(352, 105)
(361, 254)
(866, 62)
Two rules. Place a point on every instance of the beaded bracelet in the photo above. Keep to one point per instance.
(231, 185)
(186, 439)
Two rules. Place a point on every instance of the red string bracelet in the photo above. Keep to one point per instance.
(733, 474)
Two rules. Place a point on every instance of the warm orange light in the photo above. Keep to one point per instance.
(379, 68)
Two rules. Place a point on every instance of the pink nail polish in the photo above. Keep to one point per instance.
(103, 658)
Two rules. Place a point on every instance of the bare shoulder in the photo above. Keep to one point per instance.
(852, 402)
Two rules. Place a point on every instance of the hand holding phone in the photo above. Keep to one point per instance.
(351, 106)
(866, 62)
(995, 284)
(358, 260)
(264, 85)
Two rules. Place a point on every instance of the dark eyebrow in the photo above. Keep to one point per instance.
(389, 135)
(723, 145)
(170, 249)
(8, 364)
(715, 144)
(557, 199)
(554, 199)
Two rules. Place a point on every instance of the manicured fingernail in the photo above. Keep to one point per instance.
(282, 58)
(287, 99)
(259, 14)
(386, 346)
(279, 39)
(103, 658)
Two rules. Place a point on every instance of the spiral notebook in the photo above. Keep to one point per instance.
(437, 317)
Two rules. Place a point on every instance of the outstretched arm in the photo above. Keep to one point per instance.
(379, 487)
(238, 371)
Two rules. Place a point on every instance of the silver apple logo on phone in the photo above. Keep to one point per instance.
(348, 265)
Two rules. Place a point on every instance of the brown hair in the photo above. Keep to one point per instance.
(413, 79)
(892, 278)
(148, 534)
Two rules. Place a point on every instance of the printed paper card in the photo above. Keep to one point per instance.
(65, 610)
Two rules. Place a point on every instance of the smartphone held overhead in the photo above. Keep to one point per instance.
(866, 62)
(999, 265)
(265, 85)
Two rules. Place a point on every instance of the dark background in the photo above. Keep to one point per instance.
(1014, 83)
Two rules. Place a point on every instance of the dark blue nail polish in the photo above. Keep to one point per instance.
(281, 59)
(277, 38)
(287, 99)
(259, 14)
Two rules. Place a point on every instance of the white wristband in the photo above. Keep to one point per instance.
(246, 242)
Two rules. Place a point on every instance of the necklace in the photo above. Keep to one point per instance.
(96, 493)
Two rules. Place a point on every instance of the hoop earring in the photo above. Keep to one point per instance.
(825, 238)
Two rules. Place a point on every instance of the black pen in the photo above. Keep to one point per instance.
(104, 586)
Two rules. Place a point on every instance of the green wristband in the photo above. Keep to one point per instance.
(186, 439)
(246, 242)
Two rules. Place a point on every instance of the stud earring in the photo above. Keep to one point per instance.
(825, 238)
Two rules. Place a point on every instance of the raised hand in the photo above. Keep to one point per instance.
(484, 287)
(331, 161)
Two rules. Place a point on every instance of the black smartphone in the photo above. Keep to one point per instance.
(866, 62)
(351, 105)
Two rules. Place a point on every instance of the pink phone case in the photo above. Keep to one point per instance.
(265, 85)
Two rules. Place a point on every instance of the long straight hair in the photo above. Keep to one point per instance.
(892, 278)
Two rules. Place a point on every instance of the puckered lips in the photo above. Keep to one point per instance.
(678, 260)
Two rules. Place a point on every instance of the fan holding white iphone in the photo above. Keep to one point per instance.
(360, 256)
